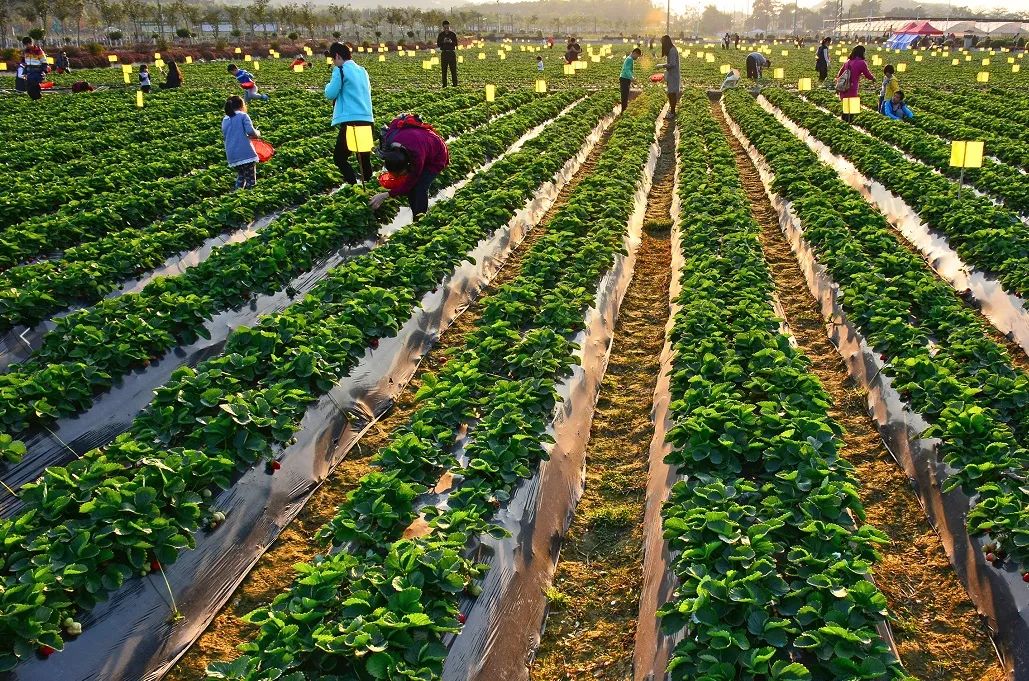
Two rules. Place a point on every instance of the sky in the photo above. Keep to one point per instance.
(744, 5)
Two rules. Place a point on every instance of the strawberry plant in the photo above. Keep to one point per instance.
(765, 525)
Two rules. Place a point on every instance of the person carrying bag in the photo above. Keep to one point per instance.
(351, 92)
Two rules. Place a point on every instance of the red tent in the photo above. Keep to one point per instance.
(919, 28)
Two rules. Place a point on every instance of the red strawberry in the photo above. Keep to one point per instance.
(461, 617)
(1025, 577)
(275, 465)
(155, 565)
(882, 356)
(990, 558)
(46, 651)
(374, 343)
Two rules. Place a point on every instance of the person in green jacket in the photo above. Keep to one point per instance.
(628, 73)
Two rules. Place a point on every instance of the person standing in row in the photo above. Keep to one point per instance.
(822, 59)
(673, 76)
(755, 63)
(36, 66)
(238, 130)
(446, 41)
(848, 80)
(247, 82)
(413, 154)
(890, 86)
(144, 79)
(351, 91)
(627, 75)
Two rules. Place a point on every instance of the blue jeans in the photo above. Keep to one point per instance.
(418, 198)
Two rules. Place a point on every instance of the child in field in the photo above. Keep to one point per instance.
(238, 130)
(539, 64)
(896, 108)
(144, 78)
(246, 81)
(890, 86)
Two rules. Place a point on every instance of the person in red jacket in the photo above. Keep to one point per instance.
(414, 155)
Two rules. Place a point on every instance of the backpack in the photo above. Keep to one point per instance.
(843, 81)
(389, 132)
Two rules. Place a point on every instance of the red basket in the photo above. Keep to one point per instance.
(388, 180)
(657, 78)
(263, 150)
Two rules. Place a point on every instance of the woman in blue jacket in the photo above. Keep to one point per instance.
(352, 92)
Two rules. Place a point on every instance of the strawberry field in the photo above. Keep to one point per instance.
(736, 394)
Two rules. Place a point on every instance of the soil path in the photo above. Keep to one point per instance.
(594, 601)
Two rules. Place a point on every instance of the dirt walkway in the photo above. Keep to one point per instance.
(938, 632)
(595, 597)
(274, 572)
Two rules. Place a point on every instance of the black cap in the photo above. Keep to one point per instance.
(339, 49)
(446, 23)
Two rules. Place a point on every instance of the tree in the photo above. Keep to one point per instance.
(257, 14)
(212, 16)
(235, 15)
(137, 12)
(762, 13)
(714, 22)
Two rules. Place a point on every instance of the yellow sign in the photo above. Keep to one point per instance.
(157, 55)
(778, 73)
(1015, 68)
(112, 58)
(595, 58)
(189, 60)
(955, 62)
(785, 53)
(125, 68)
(502, 55)
(257, 66)
(299, 68)
(159, 63)
(139, 98)
(460, 59)
(918, 57)
(804, 84)
(966, 154)
(434, 61)
(328, 61)
(1011, 60)
(382, 57)
(982, 77)
(986, 62)
(541, 86)
(852, 105)
(248, 57)
(491, 93)
(238, 50)
(308, 51)
(359, 138)
(876, 61)
(125, 77)
(569, 70)
(902, 67)
(426, 64)
(482, 55)
(724, 69)
(709, 58)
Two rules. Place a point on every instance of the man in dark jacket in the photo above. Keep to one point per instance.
(447, 44)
